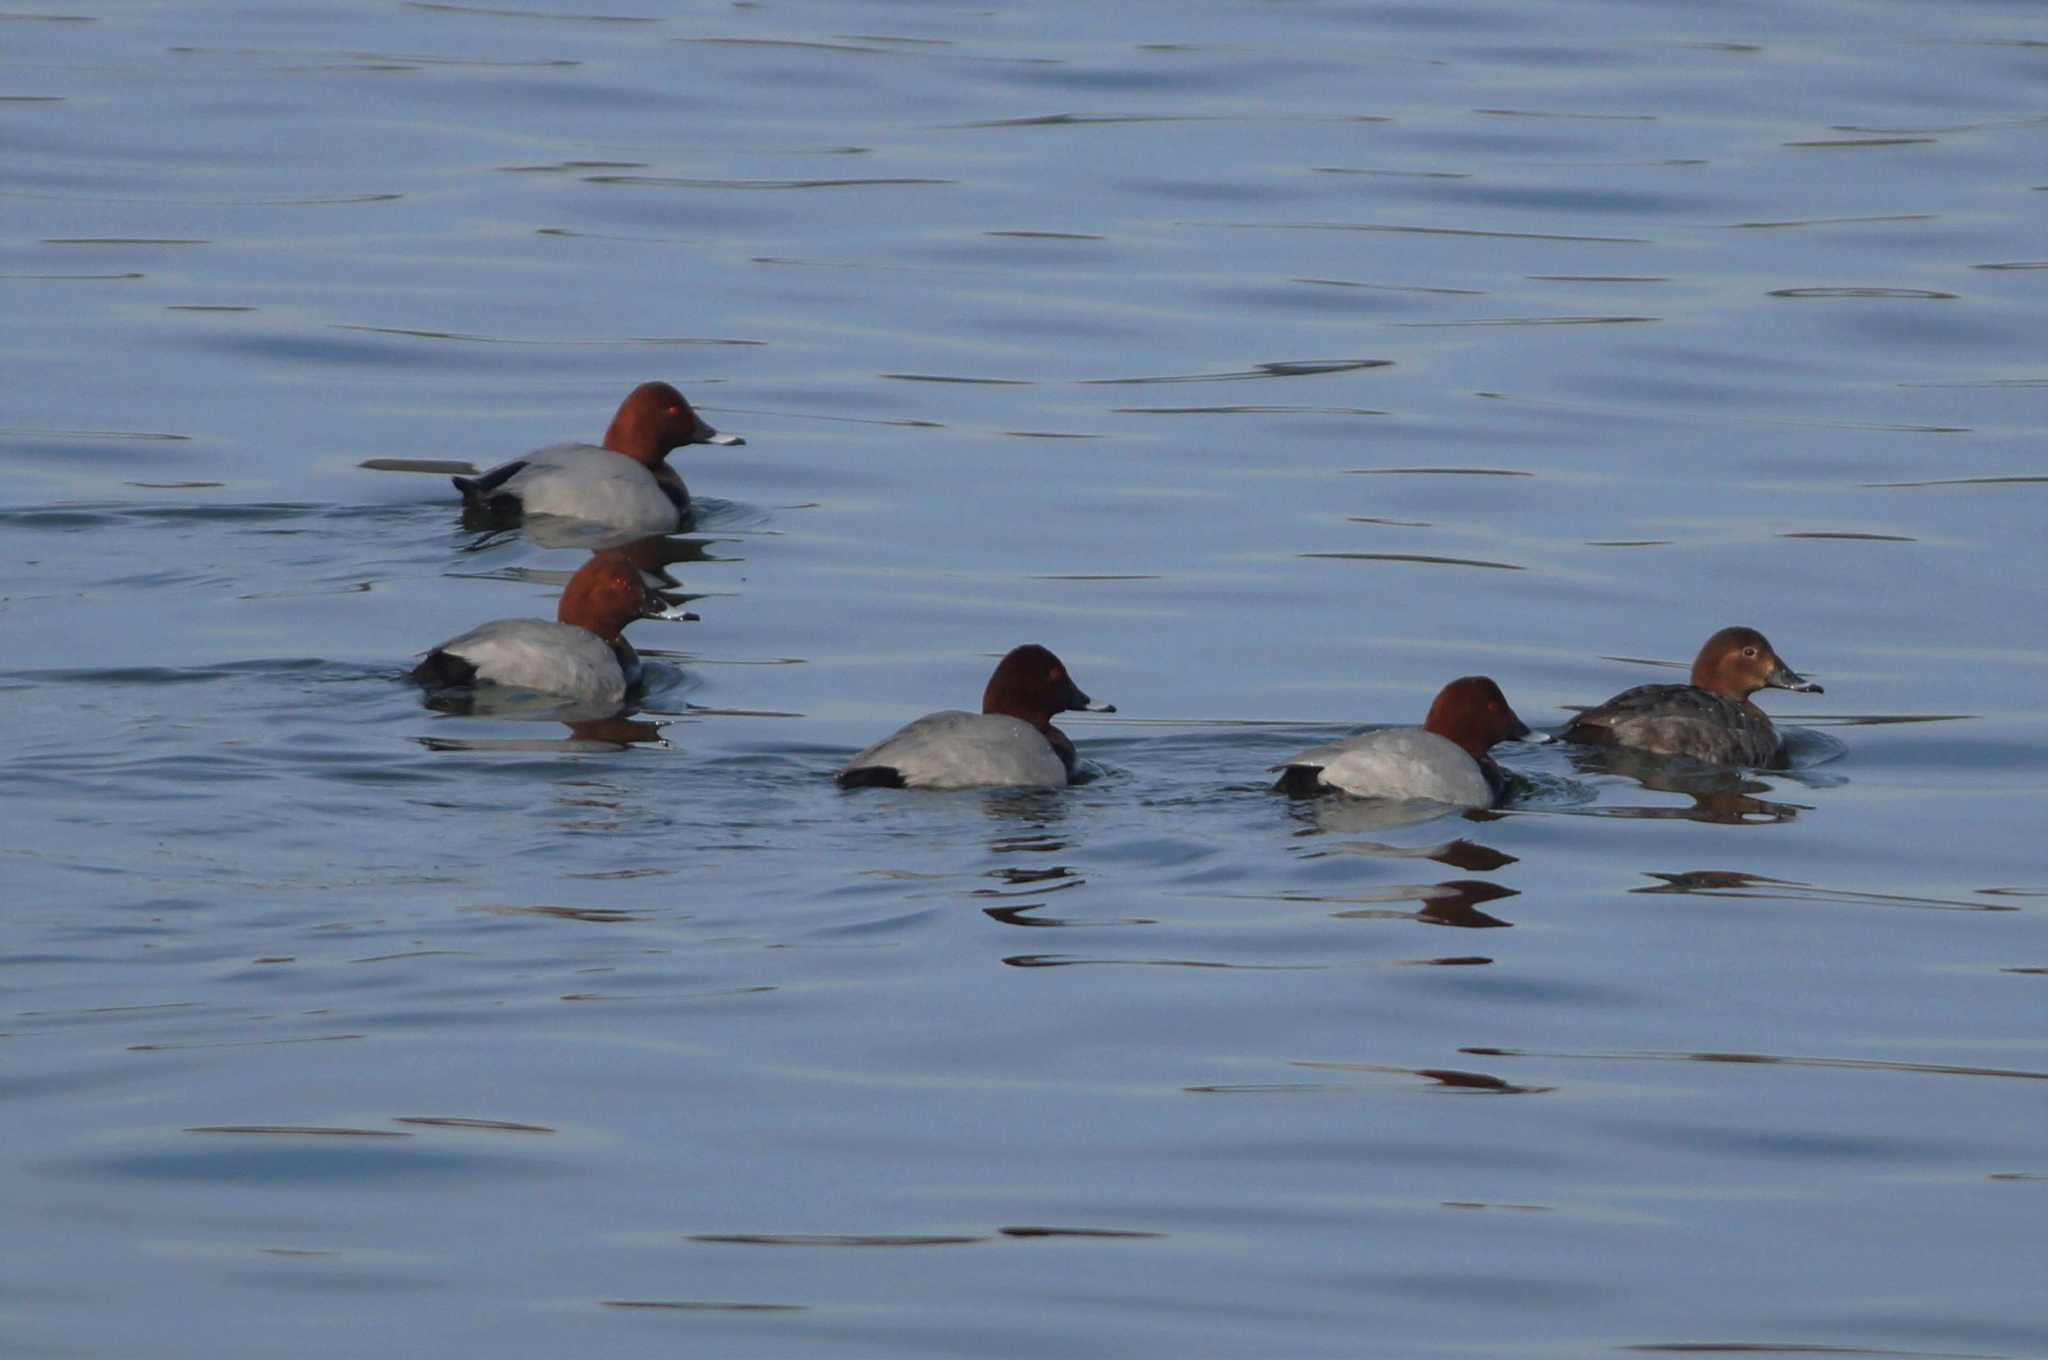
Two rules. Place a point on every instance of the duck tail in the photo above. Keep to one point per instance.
(1301, 781)
(870, 777)
(444, 670)
(485, 502)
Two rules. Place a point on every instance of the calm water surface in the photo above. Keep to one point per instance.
(1274, 364)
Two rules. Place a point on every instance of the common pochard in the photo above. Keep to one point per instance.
(1010, 743)
(1444, 761)
(582, 655)
(1711, 719)
(625, 484)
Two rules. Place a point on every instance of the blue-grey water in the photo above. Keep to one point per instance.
(1274, 364)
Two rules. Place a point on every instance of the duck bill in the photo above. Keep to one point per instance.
(704, 434)
(1784, 677)
(1074, 701)
(1517, 729)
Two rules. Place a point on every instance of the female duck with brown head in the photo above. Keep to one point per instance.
(1712, 719)
(1445, 760)
(1010, 743)
(626, 484)
(582, 655)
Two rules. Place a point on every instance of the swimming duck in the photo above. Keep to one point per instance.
(1010, 743)
(1711, 719)
(625, 484)
(582, 655)
(1444, 761)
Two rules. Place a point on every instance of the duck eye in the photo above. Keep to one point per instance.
(1749, 651)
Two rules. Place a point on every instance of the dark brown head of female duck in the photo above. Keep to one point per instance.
(1737, 662)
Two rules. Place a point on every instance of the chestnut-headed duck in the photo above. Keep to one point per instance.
(625, 484)
(582, 655)
(1010, 743)
(1444, 761)
(1712, 719)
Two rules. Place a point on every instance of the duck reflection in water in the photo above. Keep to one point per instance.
(1719, 795)
(1355, 816)
(1471, 856)
(654, 554)
(1030, 842)
(1027, 813)
(1454, 902)
(614, 733)
(1762, 887)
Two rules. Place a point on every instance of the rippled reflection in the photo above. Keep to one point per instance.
(1733, 883)
(1719, 796)
(1464, 854)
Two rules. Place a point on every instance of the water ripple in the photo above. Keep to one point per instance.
(1299, 368)
(1414, 230)
(658, 341)
(1415, 557)
(1773, 1060)
(675, 182)
(482, 11)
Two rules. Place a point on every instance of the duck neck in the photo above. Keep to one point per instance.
(666, 478)
(1464, 736)
(1496, 778)
(1062, 747)
(1710, 677)
(636, 438)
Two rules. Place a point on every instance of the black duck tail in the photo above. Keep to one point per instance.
(485, 503)
(870, 777)
(1301, 781)
(444, 670)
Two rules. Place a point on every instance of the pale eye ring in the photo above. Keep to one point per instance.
(1749, 651)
